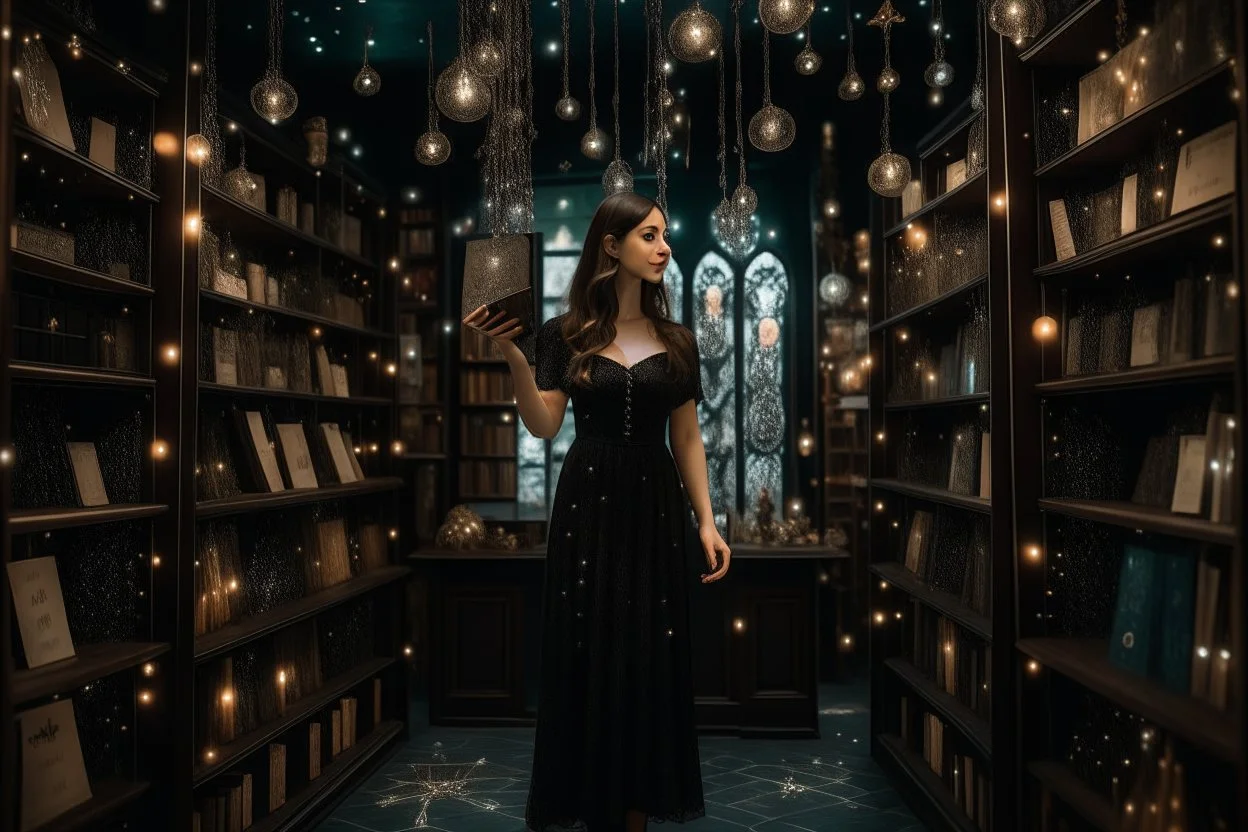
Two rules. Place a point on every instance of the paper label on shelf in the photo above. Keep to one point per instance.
(1146, 336)
(1063, 242)
(103, 149)
(1189, 480)
(87, 477)
(1206, 168)
(339, 373)
(54, 777)
(40, 610)
(955, 174)
(1130, 193)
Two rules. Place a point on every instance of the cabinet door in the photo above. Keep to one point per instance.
(482, 654)
(716, 682)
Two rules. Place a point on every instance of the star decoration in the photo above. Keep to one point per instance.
(886, 16)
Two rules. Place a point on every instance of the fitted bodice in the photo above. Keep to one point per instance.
(631, 405)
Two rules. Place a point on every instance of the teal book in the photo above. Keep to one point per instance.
(1178, 610)
(1132, 642)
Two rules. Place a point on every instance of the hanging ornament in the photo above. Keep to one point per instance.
(595, 144)
(506, 152)
(834, 289)
(433, 147)
(808, 60)
(618, 177)
(239, 183)
(851, 87)
(1017, 20)
(888, 81)
(198, 149)
(461, 94)
(368, 80)
(722, 213)
(733, 223)
(272, 97)
(772, 128)
(567, 108)
(695, 35)
(784, 17)
(744, 200)
(485, 58)
(939, 73)
(977, 134)
(890, 172)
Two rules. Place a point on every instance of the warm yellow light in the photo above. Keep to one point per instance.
(396, 447)
(160, 449)
(883, 586)
(165, 143)
(372, 356)
(281, 677)
(879, 506)
(847, 641)
(391, 369)
(192, 224)
(210, 755)
(170, 354)
(145, 697)
(198, 149)
(999, 202)
(227, 697)
(1044, 328)
(1219, 241)
(394, 264)
(233, 585)
(394, 534)
(149, 670)
(1033, 667)
(407, 650)
(879, 618)
(316, 332)
(155, 560)
(738, 624)
(1033, 552)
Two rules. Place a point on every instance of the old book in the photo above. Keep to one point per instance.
(351, 236)
(265, 471)
(1131, 642)
(955, 174)
(1074, 346)
(224, 356)
(1177, 611)
(324, 376)
(1219, 466)
(912, 197)
(1189, 479)
(1207, 580)
(295, 454)
(335, 733)
(331, 436)
(1182, 319)
(257, 283)
(1063, 242)
(1219, 298)
(275, 378)
(1206, 168)
(40, 610)
(277, 776)
(1115, 342)
(248, 796)
(1130, 195)
(288, 205)
(103, 149)
(307, 218)
(234, 809)
(347, 723)
(272, 292)
(53, 775)
(339, 375)
(985, 466)
(918, 540)
(87, 476)
(229, 284)
(354, 458)
(376, 702)
(43, 103)
(1147, 335)
(1154, 486)
(314, 750)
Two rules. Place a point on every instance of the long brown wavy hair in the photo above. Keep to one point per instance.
(589, 325)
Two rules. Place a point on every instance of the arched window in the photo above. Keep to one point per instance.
(766, 293)
(714, 326)
(674, 280)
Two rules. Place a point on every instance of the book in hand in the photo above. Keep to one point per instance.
(498, 276)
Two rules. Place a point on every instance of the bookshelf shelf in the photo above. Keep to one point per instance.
(1202, 369)
(935, 308)
(246, 503)
(1086, 661)
(1067, 41)
(948, 401)
(970, 725)
(268, 392)
(296, 712)
(945, 603)
(89, 178)
(32, 520)
(56, 374)
(301, 807)
(969, 195)
(1143, 518)
(49, 269)
(107, 797)
(293, 314)
(93, 661)
(429, 457)
(920, 776)
(934, 495)
(1188, 228)
(1064, 785)
(257, 626)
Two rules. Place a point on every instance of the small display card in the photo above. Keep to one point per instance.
(40, 610)
(1206, 168)
(54, 777)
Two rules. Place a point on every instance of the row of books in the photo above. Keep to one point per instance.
(949, 551)
(486, 478)
(475, 346)
(483, 435)
(422, 430)
(1172, 622)
(417, 241)
(959, 664)
(957, 459)
(287, 460)
(229, 806)
(1198, 322)
(279, 362)
(967, 779)
(411, 216)
(486, 387)
(420, 284)
(1191, 473)
(956, 369)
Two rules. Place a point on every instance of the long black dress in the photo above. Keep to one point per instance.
(615, 725)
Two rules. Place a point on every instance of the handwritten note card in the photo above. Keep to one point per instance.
(1206, 168)
(54, 778)
(40, 609)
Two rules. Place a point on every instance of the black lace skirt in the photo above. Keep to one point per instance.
(615, 726)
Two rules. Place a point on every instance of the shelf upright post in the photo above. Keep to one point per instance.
(8, 725)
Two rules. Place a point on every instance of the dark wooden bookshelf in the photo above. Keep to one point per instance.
(93, 661)
(245, 503)
(32, 520)
(269, 392)
(945, 603)
(60, 374)
(90, 178)
(49, 269)
(1086, 661)
(972, 726)
(1144, 518)
(1059, 781)
(1202, 369)
(107, 798)
(940, 496)
(293, 314)
(1067, 41)
(262, 624)
(946, 401)
(967, 196)
(301, 807)
(921, 782)
(296, 712)
(933, 308)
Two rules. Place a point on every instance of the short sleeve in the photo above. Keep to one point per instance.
(552, 356)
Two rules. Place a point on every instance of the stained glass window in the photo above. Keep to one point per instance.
(674, 280)
(766, 293)
(714, 288)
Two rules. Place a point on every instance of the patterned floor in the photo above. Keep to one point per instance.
(476, 780)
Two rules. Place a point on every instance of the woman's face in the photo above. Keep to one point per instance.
(643, 252)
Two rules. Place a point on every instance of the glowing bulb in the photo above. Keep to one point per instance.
(407, 650)
(1044, 328)
(170, 354)
(396, 447)
(1033, 667)
(149, 670)
(738, 624)
(192, 224)
(160, 449)
(227, 697)
(145, 697)
(165, 143)
(1033, 552)
(394, 534)
(879, 618)
(155, 560)
(391, 369)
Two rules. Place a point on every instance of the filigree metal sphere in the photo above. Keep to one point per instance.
(772, 129)
(273, 99)
(736, 233)
(834, 289)
(1017, 20)
(198, 149)
(976, 147)
(486, 59)
(695, 35)
(239, 184)
(807, 61)
(666, 99)
(432, 148)
(888, 81)
(889, 174)
(851, 87)
(744, 200)
(367, 81)
(785, 16)
(568, 108)
(618, 178)
(461, 94)
(938, 74)
(594, 143)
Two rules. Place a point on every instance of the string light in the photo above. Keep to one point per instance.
(149, 669)
(1044, 328)
(738, 624)
(160, 449)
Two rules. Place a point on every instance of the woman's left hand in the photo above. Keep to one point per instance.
(718, 555)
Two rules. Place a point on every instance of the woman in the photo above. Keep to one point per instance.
(616, 742)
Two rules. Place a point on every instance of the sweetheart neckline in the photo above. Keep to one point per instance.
(634, 364)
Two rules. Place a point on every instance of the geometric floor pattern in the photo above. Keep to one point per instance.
(476, 780)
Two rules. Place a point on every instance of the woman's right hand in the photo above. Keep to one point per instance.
(502, 332)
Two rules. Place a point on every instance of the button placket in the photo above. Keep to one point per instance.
(628, 404)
